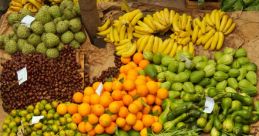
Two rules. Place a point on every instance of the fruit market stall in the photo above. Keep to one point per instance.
(164, 70)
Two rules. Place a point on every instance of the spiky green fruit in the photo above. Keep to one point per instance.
(24, 12)
(67, 37)
(68, 14)
(10, 47)
(28, 48)
(23, 32)
(2, 41)
(14, 17)
(76, 8)
(37, 27)
(61, 46)
(62, 26)
(21, 43)
(80, 37)
(50, 27)
(14, 37)
(51, 40)
(75, 25)
(54, 11)
(66, 4)
(15, 27)
(43, 36)
(74, 44)
(43, 16)
(44, 8)
(34, 39)
(52, 53)
(56, 20)
(41, 48)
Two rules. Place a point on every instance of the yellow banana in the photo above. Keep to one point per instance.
(212, 16)
(217, 20)
(208, 43)
(122, 46)
(149, 23)
(143, 43)
(221, 41)
(158, 25)
(142, 24)
(173, 51)
(137, 35)
(35, 3)
(112, 34)
(223, 22)
(184, 21)
(176, 23)
(185, 40)
(167, 16)
(207, 36)
(130, 30)
(161, 18)
(214, 41)
(124, 41)
(179, 48)
(203, 26)
(200, 34)
(232, 27)
(150, 43)
(125, 49)
(184, 34)
(143, 29)
(130, 52)
(130, 15)
(189, 25)
(164, 45)
(207, 18)
(160, 44)
(105, 32)
(23, 2)
(105, 25)
(172, 13)
(169, 47)
(195, 34)
(136, 18)
(186, 48)
(199, 40)
(198, 22)
(139, 41)
(122, 32)
(191, 48)
(229, 23)
(156, 44)
(16, 4)
(116, 35)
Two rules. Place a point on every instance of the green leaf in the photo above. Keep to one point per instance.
(239, 5)
(227, 5)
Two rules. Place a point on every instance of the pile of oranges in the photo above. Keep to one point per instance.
(130, 101)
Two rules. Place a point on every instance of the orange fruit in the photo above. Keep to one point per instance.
(127, 99)
(120, 122)
(88, 91)
(116, 85)
(131, 77)
(139, 104)
(123, 112)
(131, 119)
(72, 108)
(157, 109)
(86, 99)
(120, 103)
(107, 86)
(138, 57)
(143, 63)
(111, 129)
(156, 118)
(105, 93)
(114, 107)
(84, 109)
(122, 69)
(143, 132)
(138, 68)
(126, 127)
(132, 65)
(142, 90)
(158, 101)
(81, 127)
(98, 129)
(125, 60)
(162, 93)
(92, 119)
(128, 85)
(114, 117)
(62, 109)
(105, 120)
(148, 120)
(78, 97)
(98, 109)
(150, 99)
(94, 99)
(76, 118)
(91, 133)
(146, 110)
(133, 93)
(138, 126)
(95, 85)
(140, 81)
(88, 127)
(139, 115)
(117, 95)
(156, 127)
(152, 87)
(142, 77)
(105, 100)
(133, 108)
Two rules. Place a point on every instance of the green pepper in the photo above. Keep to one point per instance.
(237, 129)
(246, 100)
(181, 67)
(246, 129)
(211, 91)
(174, 94)
(223, 68)
(188, 97)
(251, 77)
(228, 124)
(225, 104)
(234, 72)
(232, 82)
(171, 124)
(235, 106)
(197, 76)
(173, 66)
(214, 132)
(180, 125)
(202, 121)
(204, 82)
(209, 124)
(217, 123)
(163, 116)
(177, 86)
(188, 87)
(241, 52)
(150, 70)
(247, 87)
(221, 85)
(242, 75)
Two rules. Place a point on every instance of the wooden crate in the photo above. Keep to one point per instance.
(211, 4)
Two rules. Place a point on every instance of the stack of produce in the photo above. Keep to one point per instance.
(50, 79)
(31, 5)
(132, 31)
(53, 28)
(132, 103)
(19, 122)
(229, 79)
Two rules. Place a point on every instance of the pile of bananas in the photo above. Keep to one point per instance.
(31, 5)
(186, 31)
(125, 48)
(210, 31)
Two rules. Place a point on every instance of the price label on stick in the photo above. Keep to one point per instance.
(36, 119)
(99, 89)
(22, 75)
(209, 105)
(27, 20)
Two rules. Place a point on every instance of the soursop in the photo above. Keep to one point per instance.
(74, 44)
(28, 48)
(10, 47)
(67, 37)
(54, 11)
(80, 37)
(13, 18)
(51, 40)
(66, 4)
(34, 39)
(23, 32)
(61, 46)
(76, 8)
(52, 53)
(37, 27)
(41, 48)
(50, 27)
(68, 14)
(62, 26)
(2, 40)
(44, 8)
(56, 20)
(24, 12)
(21, 43)
(75, 25)
(14, 37)
(43, 16)
(15, 27)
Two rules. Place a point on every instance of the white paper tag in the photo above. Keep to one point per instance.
(22, 75)
(209, 105)
(99, 89)
(36, 119)
(27, 20)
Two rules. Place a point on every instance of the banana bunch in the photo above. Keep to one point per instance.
(181, 23)
(211, 30)
(125, 48)
(31, 5)
(157, 45)
(121, 28)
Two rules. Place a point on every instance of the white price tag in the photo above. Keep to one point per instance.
(99, 89)
(27, 20)
(22, 75)
(36, 119)
(209, 105)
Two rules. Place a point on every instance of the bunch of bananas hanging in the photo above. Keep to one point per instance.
(31, 5)
(211, 30)
(125, 48)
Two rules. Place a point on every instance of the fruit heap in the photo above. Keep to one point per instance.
(31, 5)
(19, 121)
(53, 28)
(130, 102)
(187, 32)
